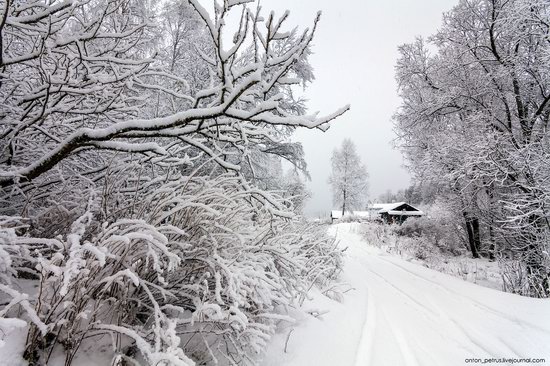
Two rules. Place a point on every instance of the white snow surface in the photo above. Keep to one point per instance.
(396, 313)
(400, 313)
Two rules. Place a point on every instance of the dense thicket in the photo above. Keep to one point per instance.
(139, 152)
(474, 126)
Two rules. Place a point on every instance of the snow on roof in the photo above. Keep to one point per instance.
(380, 208)
(392, 206)
(336, 214)
(390, 209)
(406, 213)
(383, 207)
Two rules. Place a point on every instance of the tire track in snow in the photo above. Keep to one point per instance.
(467, 299)
(493, 347)
(402, 293)
(404, 348)
(496, 349)
(417, 317)
(365, 347)
(433, 314)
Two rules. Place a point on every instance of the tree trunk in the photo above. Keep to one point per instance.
(476, 234)
(344, 204)
(492, 247)
(472, 228)
(491, 221)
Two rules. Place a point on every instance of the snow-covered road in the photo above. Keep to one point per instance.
(401, 313)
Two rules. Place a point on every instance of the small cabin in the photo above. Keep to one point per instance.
(395, 213)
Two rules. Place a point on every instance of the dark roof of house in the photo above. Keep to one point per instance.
(398, 208)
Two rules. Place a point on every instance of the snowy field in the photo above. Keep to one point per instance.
(401, 313)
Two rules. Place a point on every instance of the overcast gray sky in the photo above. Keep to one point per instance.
(355, 51)
(355, 54)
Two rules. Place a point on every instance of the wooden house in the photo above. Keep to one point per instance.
(395, 213)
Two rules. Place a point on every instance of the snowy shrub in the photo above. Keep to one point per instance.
(422, 249)
(375, 233)
(108, 281)
(413, 227)
(131, 153)
(513, 276)
(351, 218)
(418, 238)
(13, 300)
(438, 231)
(519, 278)
(419, 249)
(205, 274)
(8, 248)
(245, 262)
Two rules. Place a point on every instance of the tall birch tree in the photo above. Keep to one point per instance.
(349, 179)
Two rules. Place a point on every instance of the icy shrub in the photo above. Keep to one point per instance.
(112, 281)
(206, 273)
(520, 279)
(12, 261)
(351, 218)
(414, 227)
(436, 231)
(376, 233)
(245, 262)
(420, 250)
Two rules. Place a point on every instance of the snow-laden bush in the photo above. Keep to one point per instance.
(12, 299)
(205, 274)
(521, 276)
(352, 218)
(110, 280)
(438, 231)
(245, 262)
(424, 236)
(165, 269)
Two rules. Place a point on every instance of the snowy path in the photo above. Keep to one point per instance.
(404, 314)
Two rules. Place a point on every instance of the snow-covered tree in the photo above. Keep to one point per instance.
(390, 196)
(244, 87)
(295, 190)
(131, 137)
(474, 120)
(349, 178)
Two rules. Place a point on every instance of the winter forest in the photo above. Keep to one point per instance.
(154, 195)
